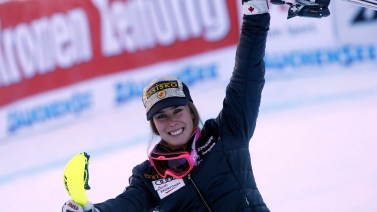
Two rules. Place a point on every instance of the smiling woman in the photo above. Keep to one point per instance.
(201, 168)
(195, 117)
(170, 110)
(174, 125)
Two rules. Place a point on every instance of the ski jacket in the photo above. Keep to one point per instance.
(223, 179)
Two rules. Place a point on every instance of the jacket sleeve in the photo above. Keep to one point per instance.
(243, 93)
(136, 197)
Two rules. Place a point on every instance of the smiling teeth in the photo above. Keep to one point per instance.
(176, 132)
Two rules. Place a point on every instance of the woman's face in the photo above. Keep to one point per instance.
(174, 124)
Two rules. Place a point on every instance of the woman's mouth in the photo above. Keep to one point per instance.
(176, 132)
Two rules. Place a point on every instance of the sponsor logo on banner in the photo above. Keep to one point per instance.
(345, 55)
(68, 41)
(26, 117)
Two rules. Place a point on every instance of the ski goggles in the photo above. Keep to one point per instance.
(175, 164)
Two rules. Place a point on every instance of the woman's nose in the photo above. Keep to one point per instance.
(171, 120)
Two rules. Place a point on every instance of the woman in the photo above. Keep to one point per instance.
(208, 169)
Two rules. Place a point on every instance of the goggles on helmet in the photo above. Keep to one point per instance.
(175, 164)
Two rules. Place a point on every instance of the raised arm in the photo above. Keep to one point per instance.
(243, 93)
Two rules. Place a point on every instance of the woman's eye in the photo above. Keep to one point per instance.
(177, 110)
(160, 116)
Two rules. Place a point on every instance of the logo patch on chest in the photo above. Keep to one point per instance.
(165, 187)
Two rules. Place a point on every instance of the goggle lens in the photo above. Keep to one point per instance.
(176, 165)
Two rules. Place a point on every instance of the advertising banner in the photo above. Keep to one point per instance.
(51, 44)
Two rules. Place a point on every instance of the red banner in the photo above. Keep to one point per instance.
(46, 44)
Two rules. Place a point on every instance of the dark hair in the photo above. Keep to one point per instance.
(194, 111)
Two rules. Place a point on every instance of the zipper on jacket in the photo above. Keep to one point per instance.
(197, 189)
(247, 201)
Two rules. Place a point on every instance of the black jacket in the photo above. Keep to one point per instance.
(224, 179)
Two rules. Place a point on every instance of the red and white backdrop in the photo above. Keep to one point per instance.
(67, 59)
